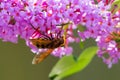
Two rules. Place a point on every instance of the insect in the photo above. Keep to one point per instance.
(47, 42)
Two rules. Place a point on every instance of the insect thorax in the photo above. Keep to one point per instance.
(57, 43)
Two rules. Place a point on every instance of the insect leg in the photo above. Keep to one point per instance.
(42, 33)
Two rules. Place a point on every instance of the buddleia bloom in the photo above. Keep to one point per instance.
(34, 19)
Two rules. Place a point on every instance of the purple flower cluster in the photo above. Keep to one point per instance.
(37, 18)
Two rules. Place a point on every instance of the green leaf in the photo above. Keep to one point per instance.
(81, 44)
(115, 6)
(68, 65)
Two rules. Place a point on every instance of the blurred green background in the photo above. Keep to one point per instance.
(15, 64)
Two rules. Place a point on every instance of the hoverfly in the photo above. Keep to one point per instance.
(47, 42)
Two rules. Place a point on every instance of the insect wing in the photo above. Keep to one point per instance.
(41, 56)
